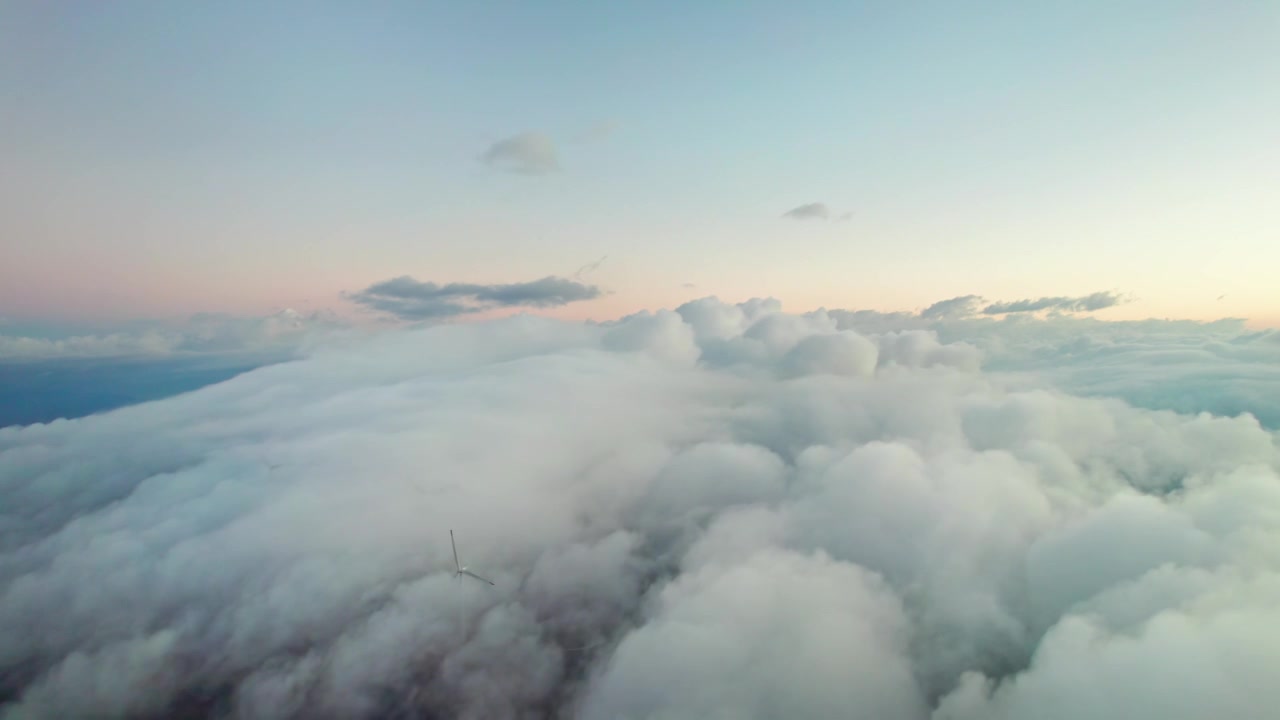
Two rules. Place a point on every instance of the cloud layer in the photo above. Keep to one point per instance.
(409, 299)
(199, 334)
(718, 511)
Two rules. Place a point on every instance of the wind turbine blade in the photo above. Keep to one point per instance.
(456, 564)
(468, 572)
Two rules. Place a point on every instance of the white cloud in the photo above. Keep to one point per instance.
(1219, 367)
(717, 511)
(776, 635)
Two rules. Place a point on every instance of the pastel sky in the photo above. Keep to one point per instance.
(159, 159)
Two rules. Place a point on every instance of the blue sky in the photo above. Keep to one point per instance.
(169, 158)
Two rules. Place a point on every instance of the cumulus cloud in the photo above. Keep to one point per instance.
(201, 333)
(410, 299)
(1186, 366)
(529, 153)
(722, 510)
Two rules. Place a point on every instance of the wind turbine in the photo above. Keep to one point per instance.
(460, 570)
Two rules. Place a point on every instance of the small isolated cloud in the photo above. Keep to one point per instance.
(529, 153)
(809, 211)
(1085, 303)
(409, 299)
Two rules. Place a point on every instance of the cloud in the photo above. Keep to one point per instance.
(809, 211)
(529, 153)
(721, 509)
(968, 305)
(1186, 366)
(816, 211)
(590, 267)
(1086, 303)
(962, 306)
(205, 333)
(409, 299)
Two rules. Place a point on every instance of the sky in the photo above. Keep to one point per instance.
(908, 361)
(169, 159)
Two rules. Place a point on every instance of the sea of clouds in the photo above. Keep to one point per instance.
(722, 511)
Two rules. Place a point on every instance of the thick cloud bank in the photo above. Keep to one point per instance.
(1220, 367)
(722, 511)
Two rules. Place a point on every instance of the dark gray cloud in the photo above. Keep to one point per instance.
(809, 211)
(409, 299)
(529, 153)
(1085, 303)
(723, 509)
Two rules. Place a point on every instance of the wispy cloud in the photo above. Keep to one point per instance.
(529, 153)
(409, 299)
(590, 267)
(809, 211)
(1084, 303)
(969, 305)
(199, 334)
(962, 306)
(817, 211)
